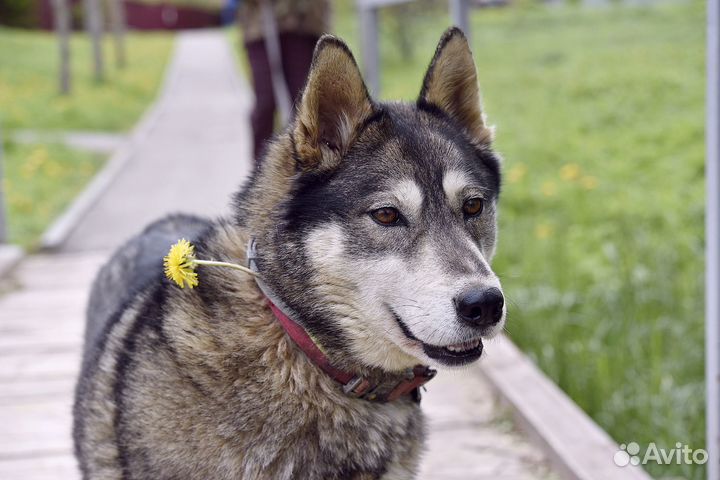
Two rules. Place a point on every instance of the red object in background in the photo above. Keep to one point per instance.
(147, 16)
(162, 16)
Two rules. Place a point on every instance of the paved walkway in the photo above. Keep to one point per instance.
(200, 142)
(193, 152)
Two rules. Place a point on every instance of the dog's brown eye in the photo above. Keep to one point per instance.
(386, 215)
(473, 206)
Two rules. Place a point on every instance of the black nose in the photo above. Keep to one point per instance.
(480, 307)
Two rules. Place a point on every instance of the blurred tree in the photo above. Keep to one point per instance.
(116, 8)
(18, 13)
(62, 28)
(94, 27)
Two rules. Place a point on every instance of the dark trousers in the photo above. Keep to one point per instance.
(296, 51)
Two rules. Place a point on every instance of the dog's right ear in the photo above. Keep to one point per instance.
(333, 105)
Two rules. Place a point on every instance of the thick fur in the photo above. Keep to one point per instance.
(205, 384)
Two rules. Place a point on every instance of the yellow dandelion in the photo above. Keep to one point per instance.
(543, 231)
(180, 264)
(37, 158)
(517, 173)
(53, 169)
(570, 172)
(589, 183)
(549, 188)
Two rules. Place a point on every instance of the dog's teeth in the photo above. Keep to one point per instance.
(461, 347)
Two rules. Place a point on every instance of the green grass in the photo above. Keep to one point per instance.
(600, 119)
(40, 181)
(29, 86)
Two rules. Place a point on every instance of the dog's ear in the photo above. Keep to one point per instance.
(451, 85)
(334, 103)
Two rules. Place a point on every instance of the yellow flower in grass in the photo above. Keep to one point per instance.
(543, 231)
(549, 188)
(180, 264)
(516, 173)
(570, 172)
(589, 183)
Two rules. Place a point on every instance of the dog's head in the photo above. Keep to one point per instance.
(376, 222)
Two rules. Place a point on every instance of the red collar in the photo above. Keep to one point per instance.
(355, 385)
(385, 390)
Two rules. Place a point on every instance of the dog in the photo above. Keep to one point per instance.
(371, 227)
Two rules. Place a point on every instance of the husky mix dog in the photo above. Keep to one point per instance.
(372, 226)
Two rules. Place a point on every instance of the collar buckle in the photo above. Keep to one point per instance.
(417, 378)
(356, 387)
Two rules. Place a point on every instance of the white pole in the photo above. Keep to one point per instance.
(94, 25)
(63, 29)
(459, 14)
(712, 243)
(370, 46)
(274, 52)
(118, 22)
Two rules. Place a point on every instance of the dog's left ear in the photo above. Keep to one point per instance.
(451, 85)
(334, 103)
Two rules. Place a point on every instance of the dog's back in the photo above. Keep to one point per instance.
(133, 267)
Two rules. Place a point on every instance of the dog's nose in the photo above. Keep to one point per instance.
(480, 307)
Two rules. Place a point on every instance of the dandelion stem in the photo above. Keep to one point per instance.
(212, 263)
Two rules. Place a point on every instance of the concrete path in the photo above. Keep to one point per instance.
(193, 158)
(471, 438)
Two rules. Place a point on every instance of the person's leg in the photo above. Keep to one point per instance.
(297, 51)
(263, 114)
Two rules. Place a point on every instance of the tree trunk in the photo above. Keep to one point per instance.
(94, 26)
(62, 28)
(117, 20)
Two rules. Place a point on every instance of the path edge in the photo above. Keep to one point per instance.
(577, 447)
(61, 228)
(10, 257)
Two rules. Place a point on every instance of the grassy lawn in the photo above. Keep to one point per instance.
(600, 118)
(41, 180)
(29, 91)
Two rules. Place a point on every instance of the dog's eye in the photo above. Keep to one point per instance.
(386, 215)
(473, 207)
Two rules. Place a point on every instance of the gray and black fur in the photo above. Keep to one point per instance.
(204, 383)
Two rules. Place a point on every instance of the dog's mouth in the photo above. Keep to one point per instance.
(451, 355)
